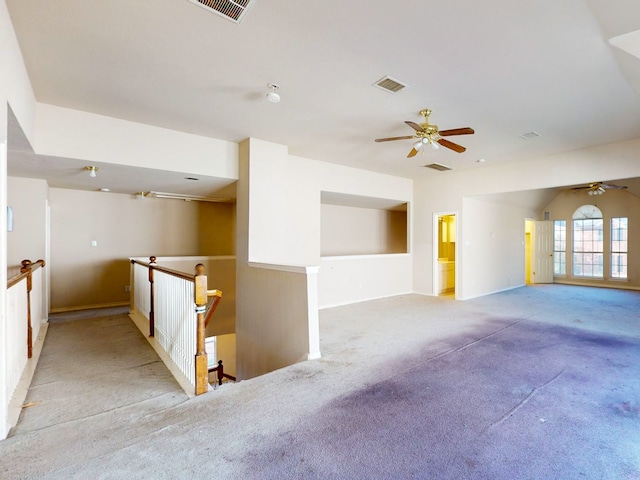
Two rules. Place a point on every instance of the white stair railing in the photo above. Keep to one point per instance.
(167, 307)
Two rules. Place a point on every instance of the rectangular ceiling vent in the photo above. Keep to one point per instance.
(234, 10)
(438, 166)
(529, 135)
(390, 85)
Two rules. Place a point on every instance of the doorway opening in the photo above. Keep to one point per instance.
(447, 234)
(528, 231)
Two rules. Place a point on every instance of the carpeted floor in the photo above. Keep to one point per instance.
(535, 383)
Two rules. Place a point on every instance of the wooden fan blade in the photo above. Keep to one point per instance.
(453, 146)
(457, 131)
(412, 153)
(580, 188)
(389, 139)
(415, 126)
(619, 187)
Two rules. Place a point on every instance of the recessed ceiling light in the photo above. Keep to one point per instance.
(480, 160)
(105, 190)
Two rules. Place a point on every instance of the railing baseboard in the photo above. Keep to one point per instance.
(20, 393)
(89, 307)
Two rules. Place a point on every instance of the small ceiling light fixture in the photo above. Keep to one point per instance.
(140, 195)
(273, 96)
(92, 171)
(105, 190)
(428, 139)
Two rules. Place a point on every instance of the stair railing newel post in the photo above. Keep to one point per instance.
(200, 294)
(152, 320)
(26, 268)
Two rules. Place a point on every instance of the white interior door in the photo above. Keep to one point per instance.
(543, 252)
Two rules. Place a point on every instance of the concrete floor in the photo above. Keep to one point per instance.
(537, 382)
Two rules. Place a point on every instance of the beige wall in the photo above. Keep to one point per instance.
(360, 231)
(216, 228)
(28, 200)
(614, 203)
(123, 226)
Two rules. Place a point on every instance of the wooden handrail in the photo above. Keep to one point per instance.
(220, 373)
(24, 273)
(168, 271)
(212, 304)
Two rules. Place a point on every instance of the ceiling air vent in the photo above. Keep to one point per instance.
(234, 10)
(529, 135)
(390, 85)
(438, 166)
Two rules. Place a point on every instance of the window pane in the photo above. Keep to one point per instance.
(619, 245)
(559, 247)
(588, 246)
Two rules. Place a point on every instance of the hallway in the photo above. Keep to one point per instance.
(95, 363)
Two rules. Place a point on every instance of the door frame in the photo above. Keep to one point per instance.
(529, 255)
(434, 260)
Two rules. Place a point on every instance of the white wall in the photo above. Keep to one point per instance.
(356, 278)
(16, 91)
(70, 133)
(28, 199)
(284, 224)
(493, 248)
(279, 205)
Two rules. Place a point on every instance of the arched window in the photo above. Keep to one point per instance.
(588, 242)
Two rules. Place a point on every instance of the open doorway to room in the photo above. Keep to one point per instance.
(528, 231)
(445, 229)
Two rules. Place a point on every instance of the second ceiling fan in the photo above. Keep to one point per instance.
(428, 134)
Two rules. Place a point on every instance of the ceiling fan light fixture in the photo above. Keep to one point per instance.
(273, 95)
(435, 145)
(92, 171)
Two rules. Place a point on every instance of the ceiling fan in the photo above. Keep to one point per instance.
(598, 188)
(428, 134)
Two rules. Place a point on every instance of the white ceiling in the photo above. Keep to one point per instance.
(503, 68)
